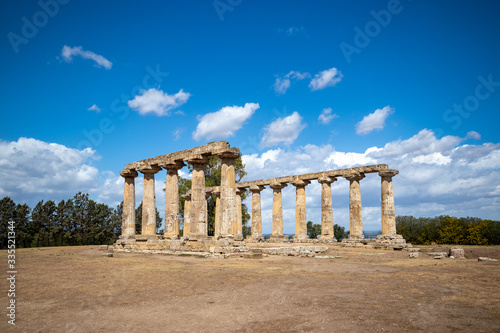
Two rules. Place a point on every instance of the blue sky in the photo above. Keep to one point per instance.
(89, 86)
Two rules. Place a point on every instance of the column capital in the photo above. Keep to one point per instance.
(150, 169)
(128, 173)
(278, 186)
(197, 159)
(301, 183)
(233, 153)
(388, 173)
(173, 165)
(355, 176)
(326, 180)
(257, 188)
(186, 196)
(240, 191)
(216, 191)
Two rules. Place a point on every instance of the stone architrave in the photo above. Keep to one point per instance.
(238, 228)
(327, 230)
(187, 214)
(300, 209)
(277, 232)
(149, 200)
(128, 216)
(355, 215)
(197, 222)
(228, 215)
(256, 213)
(172, 200)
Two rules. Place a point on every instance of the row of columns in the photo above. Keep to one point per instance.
(195, 208)
(327, 229)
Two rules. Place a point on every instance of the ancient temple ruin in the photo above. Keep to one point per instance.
(228, 219)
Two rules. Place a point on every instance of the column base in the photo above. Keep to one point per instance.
(327, 239)
(147, 237)
(354, 240)
(300, 239)
(278, 239)
(257, 239)
(396, 242)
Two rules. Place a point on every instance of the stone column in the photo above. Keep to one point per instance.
(172, 200)
(197, 222)
(355, 216)
(277, 235)
(256, 213)
(217, 212)
(187, 214)
(128, 216)
(227, 194)
(327, 231)
(149, 201)
(238, 228)
(300, 210)
(207, 195)
(389, 236)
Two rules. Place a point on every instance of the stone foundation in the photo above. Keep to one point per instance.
(278, 239)
(354, 240)
(390, 242)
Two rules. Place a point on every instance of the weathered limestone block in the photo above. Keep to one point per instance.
(413, 255)
(486, 259)
(457, 252)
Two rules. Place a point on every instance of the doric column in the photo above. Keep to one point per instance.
(300, 209)
(327, 230)
(207, 195)
(149, 200)
(197, 223)
(238, 228)
(216, 191)
(388, 214)
(277, 235)
(128, 215)
(187, 214)
(355, 216)
(256, 213)
(228, 193)
(172, 200)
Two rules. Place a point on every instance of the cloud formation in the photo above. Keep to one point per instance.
(94, 108)
(283, 130)
(326, 78)
(224, 123)
(374, 121)
(158, 102)
(326, 116)
(68, 53)
(282, 83)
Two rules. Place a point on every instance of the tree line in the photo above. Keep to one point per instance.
(446, 229)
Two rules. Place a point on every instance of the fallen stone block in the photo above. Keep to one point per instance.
(413, 255)
(252, 255)
(107, 255)
(486, 259)
(457, 252)
(438, 254)
(103, 247)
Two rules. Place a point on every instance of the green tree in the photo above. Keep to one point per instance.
(313, 230)
(7, 213)
(339, 232)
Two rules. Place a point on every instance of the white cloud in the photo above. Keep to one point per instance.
(223, 123)
(326, 78)
(326, 116)
(374, 121)
(282, 83)
(157, 102)
(68, 53)
(177, 133)
(283, 130)
(94, 108)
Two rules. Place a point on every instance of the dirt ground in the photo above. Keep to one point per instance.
(77, 289)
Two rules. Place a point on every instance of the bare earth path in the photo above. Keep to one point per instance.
(76, 289)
